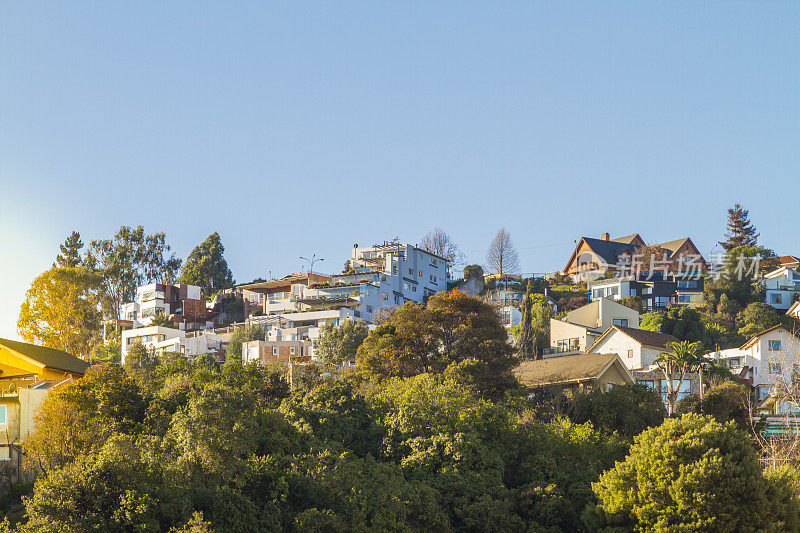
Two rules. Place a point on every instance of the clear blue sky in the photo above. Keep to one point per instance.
(299, 128)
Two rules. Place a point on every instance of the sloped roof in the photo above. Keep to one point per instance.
(49, 357)
(642, 336)
(609, 251)
(627, 239)
(563, 369)
(648, 338)
(673, 246)
(788, 259)
(755, 337)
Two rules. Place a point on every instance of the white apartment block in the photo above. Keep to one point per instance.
(781, 285)
(162, 340)
(768, 359)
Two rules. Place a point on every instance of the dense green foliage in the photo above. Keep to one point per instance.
(206, 267)
(694, 474)
(338, 344)
(194, 446)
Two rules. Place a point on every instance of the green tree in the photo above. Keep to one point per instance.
(70, 256)
(694, 474)
(162, 320)
(679, 359)
(140, 358)
(206, 267)
(634, 302)
(627, 410)
(130, 259)
(60, 312)
(739, 274)
(525, 341)
(77, 418)
(726, 401)
(339, 344)
(454, 327)
(740, 231)
(652, 321)
(755, 318)
(247, 333)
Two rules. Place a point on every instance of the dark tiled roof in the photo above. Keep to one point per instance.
(561, 369)
(49, 357)
(648, 338)
(609, 251)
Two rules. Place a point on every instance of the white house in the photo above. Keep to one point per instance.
(637, 348)
(510, 316)
(582, 327)
(781, 285)
(768, 359)
(794, 310)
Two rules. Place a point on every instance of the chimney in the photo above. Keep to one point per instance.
(605, 237)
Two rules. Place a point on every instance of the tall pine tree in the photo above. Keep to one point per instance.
(740, 231)
(70, 256)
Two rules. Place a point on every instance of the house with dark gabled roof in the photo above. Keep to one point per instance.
(637, 348)
(593, 258)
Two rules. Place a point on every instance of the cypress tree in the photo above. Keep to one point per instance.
(740, 231)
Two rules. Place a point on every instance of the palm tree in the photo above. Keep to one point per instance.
(681, 358)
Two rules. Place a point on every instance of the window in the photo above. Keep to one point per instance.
(687, 284)
(597, 293)
(420, 273)
(413, 288)
(386, 296)
(630, 354)
(621, 322)
(685, 298)
(776, 298)
(683, 390)
(647, 290)
(410, 271)
(774, 346)
(648, 384)
(634, 292)
(432, 278)
(291, 350)
(661, 301)
(274, 350)
(613, 291)
(369, 309)
(148, 312)
(2, 414)
(775, 368)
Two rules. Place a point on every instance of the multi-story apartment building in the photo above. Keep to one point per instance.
(161, 340)
(781, 286)
(656, 290)
(183, 302)
(380, 278)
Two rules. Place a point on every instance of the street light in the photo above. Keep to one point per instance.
(311, 262)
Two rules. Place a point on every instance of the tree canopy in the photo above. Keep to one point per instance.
(60, 310)
(206, 267)
(694, 474)
(740, 231)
